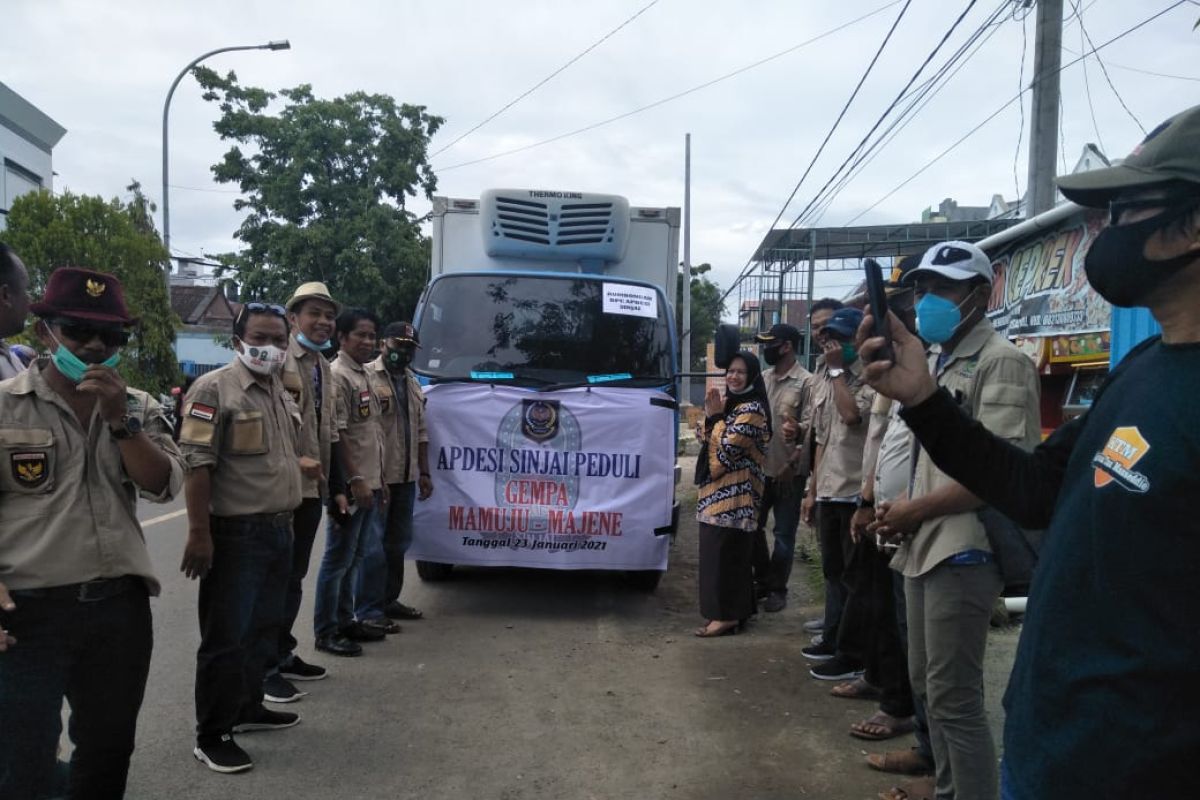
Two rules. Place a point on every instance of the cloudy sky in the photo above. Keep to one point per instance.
(101, 68)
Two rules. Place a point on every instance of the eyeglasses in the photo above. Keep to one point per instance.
(1118, 207)
(82, 332)
(261, 308)
(395, 343)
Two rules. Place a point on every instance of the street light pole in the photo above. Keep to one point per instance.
(281, 44)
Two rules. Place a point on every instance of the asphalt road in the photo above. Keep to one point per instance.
(527, 684)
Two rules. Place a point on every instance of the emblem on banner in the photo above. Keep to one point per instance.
(539, 419)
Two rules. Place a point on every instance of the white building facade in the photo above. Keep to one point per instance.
(27, 140)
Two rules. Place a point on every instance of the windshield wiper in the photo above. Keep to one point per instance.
(622, 379)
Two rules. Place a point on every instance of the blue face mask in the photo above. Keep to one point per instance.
(937, 318)
(72, 366)
(311, 345)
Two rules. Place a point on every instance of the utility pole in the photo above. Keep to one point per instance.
(685, 302)
(1043, 118)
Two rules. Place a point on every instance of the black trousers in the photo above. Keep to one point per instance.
(886, 657)
(306, 520)
(97, 655)
(833, 537)
(726, 583)
(241, 610)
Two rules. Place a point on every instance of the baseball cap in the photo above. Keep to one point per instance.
(900, 269)
(403, 331)
(958, 261)
(313, 290)
(1170, 152)
(781, 332)
(845, 322)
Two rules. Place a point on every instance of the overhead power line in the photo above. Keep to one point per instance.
(1104, 70)
(1004, 106)
(1128, 68)
(678, 95)
(547, 79)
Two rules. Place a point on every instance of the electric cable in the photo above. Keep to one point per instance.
(1008, 103)
(1104, 71)
(545, 80)
(676, 96)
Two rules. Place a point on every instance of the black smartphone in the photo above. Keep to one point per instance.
(877, 300)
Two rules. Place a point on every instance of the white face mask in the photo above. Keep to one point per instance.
(263, 359)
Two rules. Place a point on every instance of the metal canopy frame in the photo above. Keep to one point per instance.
(786, 262)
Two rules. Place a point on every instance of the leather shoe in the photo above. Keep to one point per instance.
(382, 624)
(397, 610)
(338, 646)
(357, 632)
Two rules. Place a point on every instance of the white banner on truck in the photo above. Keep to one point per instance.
(632, 301)
(573, 479)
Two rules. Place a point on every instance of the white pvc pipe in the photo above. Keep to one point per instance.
(1015, 605)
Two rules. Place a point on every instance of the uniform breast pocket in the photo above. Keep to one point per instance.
(386, 397)
(28, 460)
(247, 434)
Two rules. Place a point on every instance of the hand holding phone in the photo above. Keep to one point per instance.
(877, 301)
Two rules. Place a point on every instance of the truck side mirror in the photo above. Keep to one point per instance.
(726, 343)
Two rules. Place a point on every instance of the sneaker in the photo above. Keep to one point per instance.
(814, 626)
(818, 639)
(267, 720)
(357, 632)
(382, 624)
(835, 669)
(818, 652)
(776, 601)
(300, 670)
(223, 755)
(338, 645)
(397, 610)
(278, 689)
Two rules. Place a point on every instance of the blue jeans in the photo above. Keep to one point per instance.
(344, 547)
(398, 535)
(370, 580)
(782, 499)
(241, 612)
(1006, 788)
(97, 655)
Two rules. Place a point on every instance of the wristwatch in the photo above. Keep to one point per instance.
(130, 427)
(836, 373)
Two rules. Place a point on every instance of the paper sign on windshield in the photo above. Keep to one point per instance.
(631, 301)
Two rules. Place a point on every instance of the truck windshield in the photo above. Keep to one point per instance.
(544, 330)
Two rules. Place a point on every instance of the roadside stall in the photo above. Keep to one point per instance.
(1042, 301)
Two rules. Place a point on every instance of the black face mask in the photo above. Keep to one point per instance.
(1117, 267)
(771, 355)
(398, 360)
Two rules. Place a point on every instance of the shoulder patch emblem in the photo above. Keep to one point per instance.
(202, 412)
(29, 469)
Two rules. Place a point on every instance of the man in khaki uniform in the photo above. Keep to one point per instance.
(360, 454)
(312, 313)
(78, 446)
(406, 468)
(951, 580)
(239, 437)
(787, 392)
(14, 308)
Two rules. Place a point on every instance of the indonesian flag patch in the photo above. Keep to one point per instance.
(202, 412)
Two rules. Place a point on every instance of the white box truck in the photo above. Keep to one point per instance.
(548, 357)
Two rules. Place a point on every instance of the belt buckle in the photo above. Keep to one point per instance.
(85, 596)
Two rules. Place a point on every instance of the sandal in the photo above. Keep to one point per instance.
(901, 762)
(708, 632)
(880, 726)
(857, 689)
(922, 789)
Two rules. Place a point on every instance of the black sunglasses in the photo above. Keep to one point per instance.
(261, 308)
(1118, 207)
(82, 332)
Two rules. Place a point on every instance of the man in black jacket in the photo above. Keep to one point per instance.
(1105, 684)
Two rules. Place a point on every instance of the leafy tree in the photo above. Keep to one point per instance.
(706, 312)
(49, 231)
(325, 185)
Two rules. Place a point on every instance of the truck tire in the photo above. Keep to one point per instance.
(433, 572)
(645, 580)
